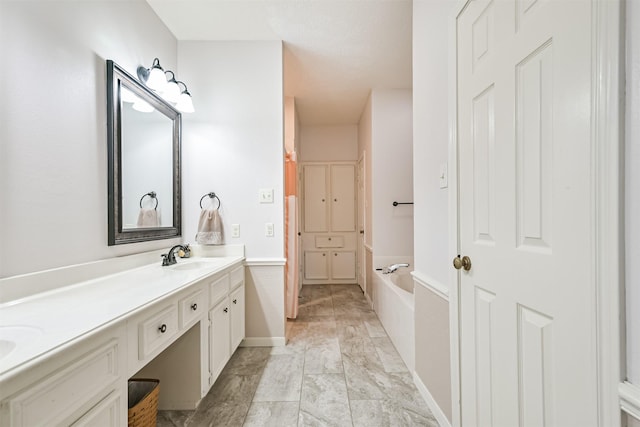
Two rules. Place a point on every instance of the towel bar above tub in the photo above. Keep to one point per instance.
(211, 195)
(151, 194)
(402, 203)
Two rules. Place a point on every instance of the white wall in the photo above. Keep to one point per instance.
(234, 142)
(391, 173)
(234, 146)
(632, 195)
(53, 137)
(328, 143)
(431, 19)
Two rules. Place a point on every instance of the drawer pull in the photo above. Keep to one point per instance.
(235, 301)
(194, 306)
(226, 309)
(163, 328)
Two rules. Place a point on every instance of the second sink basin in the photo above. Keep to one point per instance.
(13, 336)
(192, 265)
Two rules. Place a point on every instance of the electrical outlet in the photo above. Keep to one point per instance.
(235, 230)
(266, 195)
(268, 229)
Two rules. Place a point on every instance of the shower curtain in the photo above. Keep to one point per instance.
(291, 237)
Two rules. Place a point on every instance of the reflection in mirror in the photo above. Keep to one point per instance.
(144, 161)
(146, 158)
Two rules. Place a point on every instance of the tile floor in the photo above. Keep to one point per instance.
(339, 368)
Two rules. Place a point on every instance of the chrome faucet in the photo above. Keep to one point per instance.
(393, 267)
(170, 257)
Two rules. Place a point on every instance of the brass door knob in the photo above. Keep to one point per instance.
(464, 262)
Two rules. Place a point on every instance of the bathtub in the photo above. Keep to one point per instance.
(393, 302)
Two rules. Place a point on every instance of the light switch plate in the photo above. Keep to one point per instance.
(442, 178)
(268, 229)
(235, 230)
(266, 195)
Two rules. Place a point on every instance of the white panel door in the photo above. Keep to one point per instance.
(527, 303)
(315, 198)
(343, 198)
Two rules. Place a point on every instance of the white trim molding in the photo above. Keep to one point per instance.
(630, 399)
(260, 262)
(607, 88)
(431, 284)
(263, 342)
(431, 402)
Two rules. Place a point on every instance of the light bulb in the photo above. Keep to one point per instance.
(157, 81)
(171, 91)
(185, 103)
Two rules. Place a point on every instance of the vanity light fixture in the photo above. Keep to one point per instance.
(153, 77)
(172, 90)
(185, 102)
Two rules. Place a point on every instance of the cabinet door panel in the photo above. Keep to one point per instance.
(343, 265)
(237, 317)
(315, 198)
(219, 339)
(343, 198)
(316, 265)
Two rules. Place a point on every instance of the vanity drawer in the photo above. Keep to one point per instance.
(219, 289)
(191, 307)
(57, 399)
(329, 241)
(237, 277)
(157, 330)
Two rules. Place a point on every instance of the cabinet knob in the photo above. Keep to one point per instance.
(335, 254)
(194, 306)
(323, 200)
(163, 328)
(324, 254)
(226, 309)
(235, 301)
(335, 200)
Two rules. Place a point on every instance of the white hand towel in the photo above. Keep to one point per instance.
(148, 218)
(210, 228)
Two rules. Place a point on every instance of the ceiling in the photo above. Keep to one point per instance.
(335, 51)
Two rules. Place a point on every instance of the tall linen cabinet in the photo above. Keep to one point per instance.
(328, 226)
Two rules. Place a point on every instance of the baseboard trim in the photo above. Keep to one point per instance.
(630, 399)
(431, 402)
(263, 342)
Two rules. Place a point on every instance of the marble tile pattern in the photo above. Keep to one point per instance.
(339, 368)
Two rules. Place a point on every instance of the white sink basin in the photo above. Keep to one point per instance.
(13, 336)
(193, 265)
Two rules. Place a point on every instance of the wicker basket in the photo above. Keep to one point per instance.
(143, 402)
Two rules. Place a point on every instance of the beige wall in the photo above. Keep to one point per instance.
(328, 143)
(432, 346)
(265, 294)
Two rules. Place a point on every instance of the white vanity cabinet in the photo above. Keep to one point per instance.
(82, 385)
(226, 330)
(178, 327)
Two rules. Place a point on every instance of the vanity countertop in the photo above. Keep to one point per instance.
(33, 326)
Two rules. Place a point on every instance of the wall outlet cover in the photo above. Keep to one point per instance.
(235, 230)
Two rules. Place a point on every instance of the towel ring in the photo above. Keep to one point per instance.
(151, 194)
(211, 195)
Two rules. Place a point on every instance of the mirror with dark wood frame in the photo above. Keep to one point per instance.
(144, 156)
